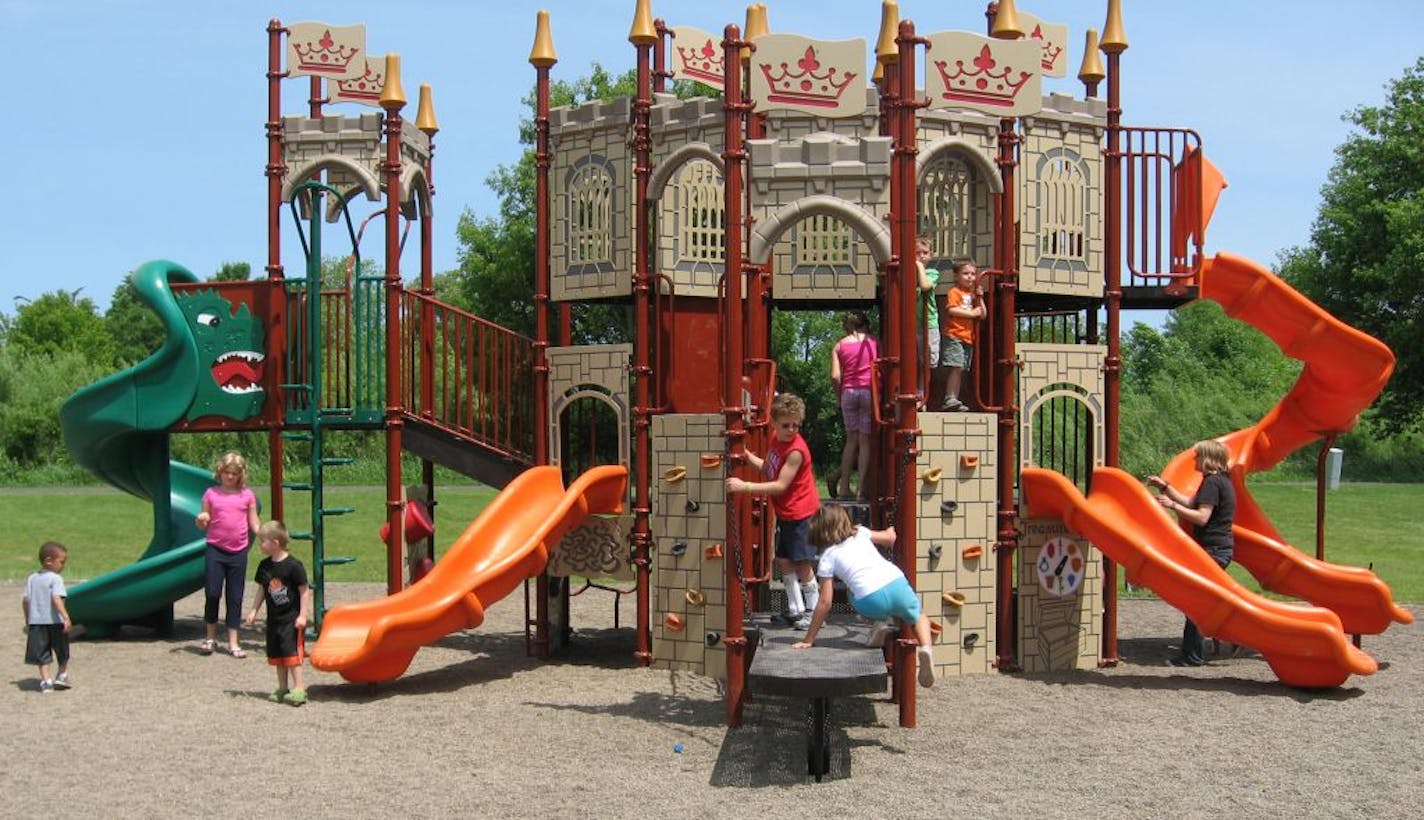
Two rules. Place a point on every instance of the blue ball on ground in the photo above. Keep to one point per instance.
(677, 748)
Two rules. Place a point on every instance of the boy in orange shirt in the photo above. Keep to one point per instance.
(962, 310)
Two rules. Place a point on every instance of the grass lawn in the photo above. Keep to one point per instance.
(1365, 524)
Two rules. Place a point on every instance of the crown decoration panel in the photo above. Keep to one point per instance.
(364, 88)
(999, 77)
(1052, 40)
(323, 50)
(697, 55)
(825, 78)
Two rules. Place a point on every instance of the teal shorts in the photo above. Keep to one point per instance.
(894, 600)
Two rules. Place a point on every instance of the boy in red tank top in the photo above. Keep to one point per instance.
(791, 485)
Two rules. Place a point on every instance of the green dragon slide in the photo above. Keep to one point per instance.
(117, 428)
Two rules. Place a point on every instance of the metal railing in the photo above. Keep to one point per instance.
(1163, 225)
(482, 386)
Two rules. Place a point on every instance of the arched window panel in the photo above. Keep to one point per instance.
(1060, 429)
(1063, 208)
(824, 243)
(947, 208)
(590, 217)
(701, 226)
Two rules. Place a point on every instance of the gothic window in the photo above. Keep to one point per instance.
(701, 215)
(947, 207)
(590, 216)
(1062, 191)
(823, 242)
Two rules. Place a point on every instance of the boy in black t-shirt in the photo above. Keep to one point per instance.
(283, 581)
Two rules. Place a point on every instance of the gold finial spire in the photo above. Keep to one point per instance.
(425, 112)
(1092, 69)
(756, 26)
(878, 75)
(643, 32)
(886, 51)
(1114, 40)
(392, 95)
(1006, 22)
(542, 54)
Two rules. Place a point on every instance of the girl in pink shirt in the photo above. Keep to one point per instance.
(230, 518)
(852, 370)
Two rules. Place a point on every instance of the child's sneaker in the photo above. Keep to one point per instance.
(63, 681)
(926, 667)
(46, 686)
(278, 696)
(802, 623)
(297, 697)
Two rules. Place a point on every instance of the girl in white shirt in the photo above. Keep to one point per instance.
(877, 588)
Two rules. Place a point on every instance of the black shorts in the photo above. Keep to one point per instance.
(286, 645)
(46, 642)
(793, 540)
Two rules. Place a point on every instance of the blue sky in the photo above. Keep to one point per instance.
(137, 125)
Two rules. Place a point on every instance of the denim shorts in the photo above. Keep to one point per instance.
(894, 600)
(793, 540)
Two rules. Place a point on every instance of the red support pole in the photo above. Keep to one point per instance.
(901, 302)
(1001, 334)
(733, 156)
(542, 286)
(642, 536)
(276, 172)
(1112, 290)
(394, 422)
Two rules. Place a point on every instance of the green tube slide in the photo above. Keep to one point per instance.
(117, 429)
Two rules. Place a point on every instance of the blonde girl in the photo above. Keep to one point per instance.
(230, 519)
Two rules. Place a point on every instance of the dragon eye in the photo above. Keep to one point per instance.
(208, 319)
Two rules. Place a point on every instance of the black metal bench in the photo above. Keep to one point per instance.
(840, 664)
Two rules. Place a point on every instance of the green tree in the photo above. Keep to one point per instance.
(33, 384)
(1204, 375)
(1366, 248)
(135, 329)
(233, 272)
(61, 321)
(801, 344)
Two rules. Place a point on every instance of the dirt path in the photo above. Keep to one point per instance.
(476, 727)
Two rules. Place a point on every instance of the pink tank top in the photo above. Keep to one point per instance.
(856, 359)
(228, 530)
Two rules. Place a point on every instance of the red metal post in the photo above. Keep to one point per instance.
(642, 536)
(1001, 337)
(394, 423)
(733, 155)
(542, 160)
(276, 172)
(901, 302)
(660, 73)
(1112, 291)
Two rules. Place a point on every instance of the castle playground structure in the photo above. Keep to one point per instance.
(793, 181)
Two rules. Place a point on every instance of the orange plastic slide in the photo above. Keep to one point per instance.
(1304, 645)
(375, 641)
(1344, 371)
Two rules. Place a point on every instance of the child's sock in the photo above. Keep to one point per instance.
(811, 593)
(795, 605)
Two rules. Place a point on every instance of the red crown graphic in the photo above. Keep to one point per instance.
(366, 88)
(705, 63)
(324, 56)
(1051, 50)
(983, 85)
(806, 87)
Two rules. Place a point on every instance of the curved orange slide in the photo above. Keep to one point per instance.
(1304, 645)
(375, 641)
(1344, 371)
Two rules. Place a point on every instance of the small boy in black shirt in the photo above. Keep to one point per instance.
(283, 581)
